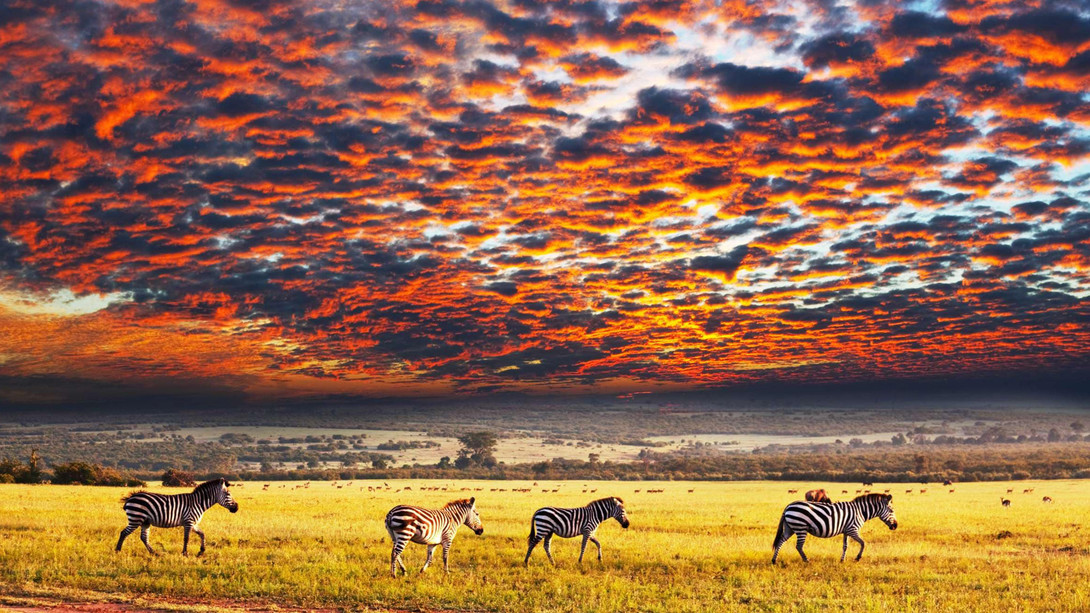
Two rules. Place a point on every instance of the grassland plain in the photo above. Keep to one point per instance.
(708, 550)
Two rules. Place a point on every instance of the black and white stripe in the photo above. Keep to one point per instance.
(568, 523)
(830, 519)
(147, 509)
(429, 527)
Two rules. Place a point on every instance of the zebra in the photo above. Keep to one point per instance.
(147, 509)
(830, 519)
(429, 527)
(567, 523)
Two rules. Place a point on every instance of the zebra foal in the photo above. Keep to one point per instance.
(830, 519)
(147, 509)
(568, 523)
(429, 527)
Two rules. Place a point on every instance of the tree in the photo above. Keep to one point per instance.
(178, 478)
(33, 472)
(478, 449)
(1078, 426)
(444, 462)
(379, 463)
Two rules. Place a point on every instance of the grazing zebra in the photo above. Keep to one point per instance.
(567, 523)
(1005, 502)
(147, 509)
(429, 527)
(818, 496)
(827, 520)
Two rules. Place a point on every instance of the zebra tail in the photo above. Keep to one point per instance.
(533, 533)
(780, 530)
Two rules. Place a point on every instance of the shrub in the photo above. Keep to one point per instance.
(178, 478)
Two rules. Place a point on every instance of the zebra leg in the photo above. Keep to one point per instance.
(144, 537)
(200, 534)
(859, 540)
(598, 545)
(446, 554)
(798, 545)
(125, 532)
(431, 550)
(185, 540)
(547, 545)
(844, 552)
(395, 557)
(530, 549)
(780, 540)
(583, 547)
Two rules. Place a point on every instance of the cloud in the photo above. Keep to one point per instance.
(469, 195)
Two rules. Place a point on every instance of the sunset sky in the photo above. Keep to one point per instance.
(275, 199)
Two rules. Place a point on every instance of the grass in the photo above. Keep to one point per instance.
(708, 550)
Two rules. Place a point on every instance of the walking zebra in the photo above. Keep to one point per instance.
(567, 523)
(429, 527)
(147, 509)
(827, 520)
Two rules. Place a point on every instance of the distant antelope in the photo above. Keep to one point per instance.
(1006, 502)
(788, 491)
(908, 491)
(1047, 499)
(923, 491)
(1010, 489)
(843, 491)
(1029, 491)
(817, 496)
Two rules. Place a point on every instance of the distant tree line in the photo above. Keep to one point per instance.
(68, 473)
(889, 462)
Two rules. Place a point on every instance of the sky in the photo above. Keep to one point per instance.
(270, 199)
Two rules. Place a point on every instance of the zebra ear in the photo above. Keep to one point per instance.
(472, 501)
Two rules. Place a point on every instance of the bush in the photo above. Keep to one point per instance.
(178, 478)
(84, 473)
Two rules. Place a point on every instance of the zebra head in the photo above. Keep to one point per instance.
(473, 519)
(223, 496)
(885, 512)
(619, 512)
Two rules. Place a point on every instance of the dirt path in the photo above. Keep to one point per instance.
(16, 604)
(46, 605)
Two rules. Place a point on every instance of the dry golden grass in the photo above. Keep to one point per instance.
(708, 550)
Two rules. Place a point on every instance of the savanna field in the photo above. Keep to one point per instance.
(705, 550)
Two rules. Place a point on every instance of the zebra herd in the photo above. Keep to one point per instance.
(817, 516)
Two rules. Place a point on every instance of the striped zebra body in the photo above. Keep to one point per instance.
(830, 519)
(147, 509)
(429, 527)
(568, 523)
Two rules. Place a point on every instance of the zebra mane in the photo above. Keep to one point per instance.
(209, 485)
(126, 497)
(873, 498)
(454, 503)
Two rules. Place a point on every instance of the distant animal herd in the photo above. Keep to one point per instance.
(817, 515)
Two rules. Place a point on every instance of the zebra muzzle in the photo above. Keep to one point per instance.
(479, 531)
